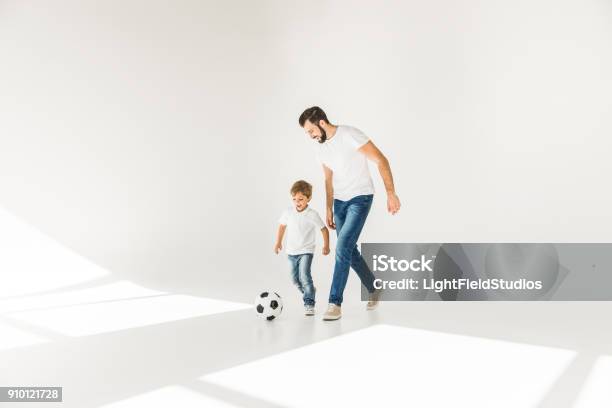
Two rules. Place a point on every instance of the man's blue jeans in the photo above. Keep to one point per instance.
(302, 278)
(350, 216)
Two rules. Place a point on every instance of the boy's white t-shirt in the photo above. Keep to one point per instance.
(302, 228)
(351, 175)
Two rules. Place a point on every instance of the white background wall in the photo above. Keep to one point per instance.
(160, 139)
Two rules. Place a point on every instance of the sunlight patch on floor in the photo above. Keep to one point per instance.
(597, 389)
(88, 319)
(386, 364)
(171, 396)
(11, 337)
(102, 293)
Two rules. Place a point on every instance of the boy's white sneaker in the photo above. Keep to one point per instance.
(333, 312)
(309, 310)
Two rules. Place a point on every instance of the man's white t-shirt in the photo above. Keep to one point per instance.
(351, 175)
(302, 228)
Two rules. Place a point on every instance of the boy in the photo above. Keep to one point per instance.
(301, 223)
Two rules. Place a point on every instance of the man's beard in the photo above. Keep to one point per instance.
(323, 137)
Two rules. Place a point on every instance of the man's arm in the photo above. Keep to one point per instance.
(375, 155)
(329, 194)
(279, 238)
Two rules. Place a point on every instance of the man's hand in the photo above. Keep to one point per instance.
(330, 220)
(325, 250)
(278, 247)
(393, 203)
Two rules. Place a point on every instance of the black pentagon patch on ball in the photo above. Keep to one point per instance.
(260, 309)
(265, 294)
(274, 304)
(270, 317)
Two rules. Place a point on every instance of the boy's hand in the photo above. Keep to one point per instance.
(278, 247)
(330, 220)
(325, 250)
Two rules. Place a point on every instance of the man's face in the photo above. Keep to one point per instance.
(315, 131)
(300, 201)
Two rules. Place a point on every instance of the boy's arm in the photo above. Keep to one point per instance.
(372, 153)
(329, 197)
(325, 233)
(279, 238)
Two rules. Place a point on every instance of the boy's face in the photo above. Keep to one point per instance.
(300, 201)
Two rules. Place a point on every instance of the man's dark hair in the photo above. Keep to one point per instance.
(314, 115)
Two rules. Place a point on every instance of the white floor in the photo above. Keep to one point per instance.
(118, 343)
(204, 352)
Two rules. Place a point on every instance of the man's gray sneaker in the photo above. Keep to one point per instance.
(333, 312)
(373, 300)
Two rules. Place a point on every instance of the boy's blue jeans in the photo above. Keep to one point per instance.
(350, 216)
(302, 278)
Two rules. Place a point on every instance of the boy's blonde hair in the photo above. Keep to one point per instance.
(303, 187)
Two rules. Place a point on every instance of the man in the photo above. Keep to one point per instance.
(343, 151)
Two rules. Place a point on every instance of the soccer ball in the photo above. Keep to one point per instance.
(268, 305)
